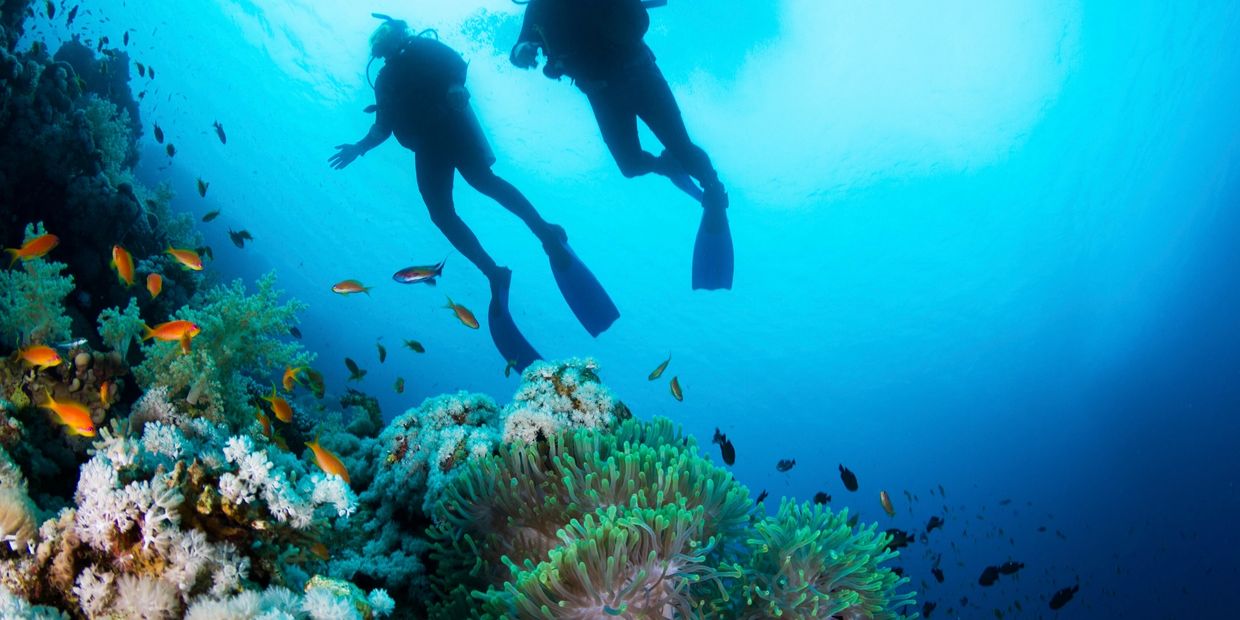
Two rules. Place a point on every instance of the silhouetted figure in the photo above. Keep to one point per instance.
(599, 44)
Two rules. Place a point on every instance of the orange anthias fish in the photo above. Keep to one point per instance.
(122, 262)
(327, 461)
(279, 406)
(265, 422)
(71, 414)
(105, 394)
(676, 393)
(463, 314)
(185, 342)
(188, 258)
(885, 500)
(172, 331)
(35, 248)
(290, 377)
(42, 356)
(346, 287)
(154, 284)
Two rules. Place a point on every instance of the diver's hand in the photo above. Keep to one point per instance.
(345, 154)
(458, 97)
(524, 55)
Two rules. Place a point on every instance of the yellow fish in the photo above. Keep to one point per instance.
(327, 461)
(35, 248)
(185, 339)
(658, 372)
(188, 258)
(154, 284)
(346, 287)
(290, 377)
(71, 414)
(279, 406)
(265, 422)
(122, 262)
(885, 500)
(42, 356)
(105, 394)
(172, 331)
(676, 393)
(463, 314)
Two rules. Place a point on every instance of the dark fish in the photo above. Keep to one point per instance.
(415, 346)
(239, 237)
(726, 449)
(942, 493)
(355, 373)
(72, 16)
(1041, 528)
(205, 252)
(676, 393)
(849, 478)
(420, 273)
(219, 131)
(51, 10)
(141, 69)
(371, 109)
(211, 215)
(1010, 568)
(382, 352)
(1061, 597)
(899, 539)
(314, 380)
(103, 41)
(785, 464)
(822, 497)
(938, 574)
(761, 496)
(295, 332)
(853, 520)
(934, 524)
(151, 70)
(1004, 502)
(125, 39)
(658, 372)
(172, 150)
(159, 134)
(202, 187)
(989, 576)
(400, 385)
(927, 608)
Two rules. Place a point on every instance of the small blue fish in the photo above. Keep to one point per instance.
(417, 274)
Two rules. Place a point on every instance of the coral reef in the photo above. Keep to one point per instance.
(556, 397)
(32, 300)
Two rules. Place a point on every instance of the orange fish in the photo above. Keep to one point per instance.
(279, 406)
(42, 356)
(35, 248)
(105, 394)
(345, 287)
(676, 393)
(885, 500)
(265, 422)
(188, 258)
(154, 284)
(171, 331)
(122, 262)
(290, 377)
(71, 414)
(319, 549)
(185, 339)
(463, 314)
(327, 461)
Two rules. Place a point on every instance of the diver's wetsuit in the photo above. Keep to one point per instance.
(599, 44)
(412, 94)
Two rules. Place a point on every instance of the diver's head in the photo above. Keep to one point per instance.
(388, 38)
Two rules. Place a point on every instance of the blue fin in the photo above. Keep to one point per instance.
(712, 252)
(512, 345)
(585, 296)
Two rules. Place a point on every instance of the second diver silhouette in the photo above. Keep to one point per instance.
(420, 97)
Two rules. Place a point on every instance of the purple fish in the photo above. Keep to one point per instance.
(414, 275)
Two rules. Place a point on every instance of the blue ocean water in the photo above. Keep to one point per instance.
(988, 246)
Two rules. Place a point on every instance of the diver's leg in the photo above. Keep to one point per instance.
(617, 121)
(435, 176)
(489, 184)
(656, 105)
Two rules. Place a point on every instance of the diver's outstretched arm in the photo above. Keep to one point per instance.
(346, 153)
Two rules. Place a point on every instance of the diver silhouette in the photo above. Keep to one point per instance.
(421, 99)
(600, 45)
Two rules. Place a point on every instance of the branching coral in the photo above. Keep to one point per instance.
(32, 300)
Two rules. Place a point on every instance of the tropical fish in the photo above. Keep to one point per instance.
(202, 187)
(105, 394)
(885, 500)
(328, 462)
(279, 406)
(151, 70)
(726, 449)
(899, 539)
(417, 274)
(122, 262)
(400, 385)
(264, 422)
(188, 258)
(205, 251)
(785, 464)
(35, 248)
(314, 381)
(154, 284)
(125, 39)
(676, 393)
(159, 133)
(185, 343)
(989, 576)
(219, 131)
(463, 314)
(849, 478)
(1010, 567)
(382, 352)
(42, 356)
(658, 372)
(51, 10)
(822, 497)
(211, 215)
(761, 496)
(928, 607)
(347, 287)
(171, 149)
(72, 15)
(355, 372)
(934, 523)
(320, 550)
(938, 574)
(294, 332)
(239, 237)
(71, 344)
(71, 414)
(171, 331)
(290, 377)
(415, 346)
(141, 68)
(1063, 595)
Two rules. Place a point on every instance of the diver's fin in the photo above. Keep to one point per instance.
(585, 296)
(712, 252)
(515, 349)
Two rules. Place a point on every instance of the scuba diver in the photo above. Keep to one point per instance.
(599, 45)
(420, 97)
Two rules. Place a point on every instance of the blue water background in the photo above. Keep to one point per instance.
(988, 245)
